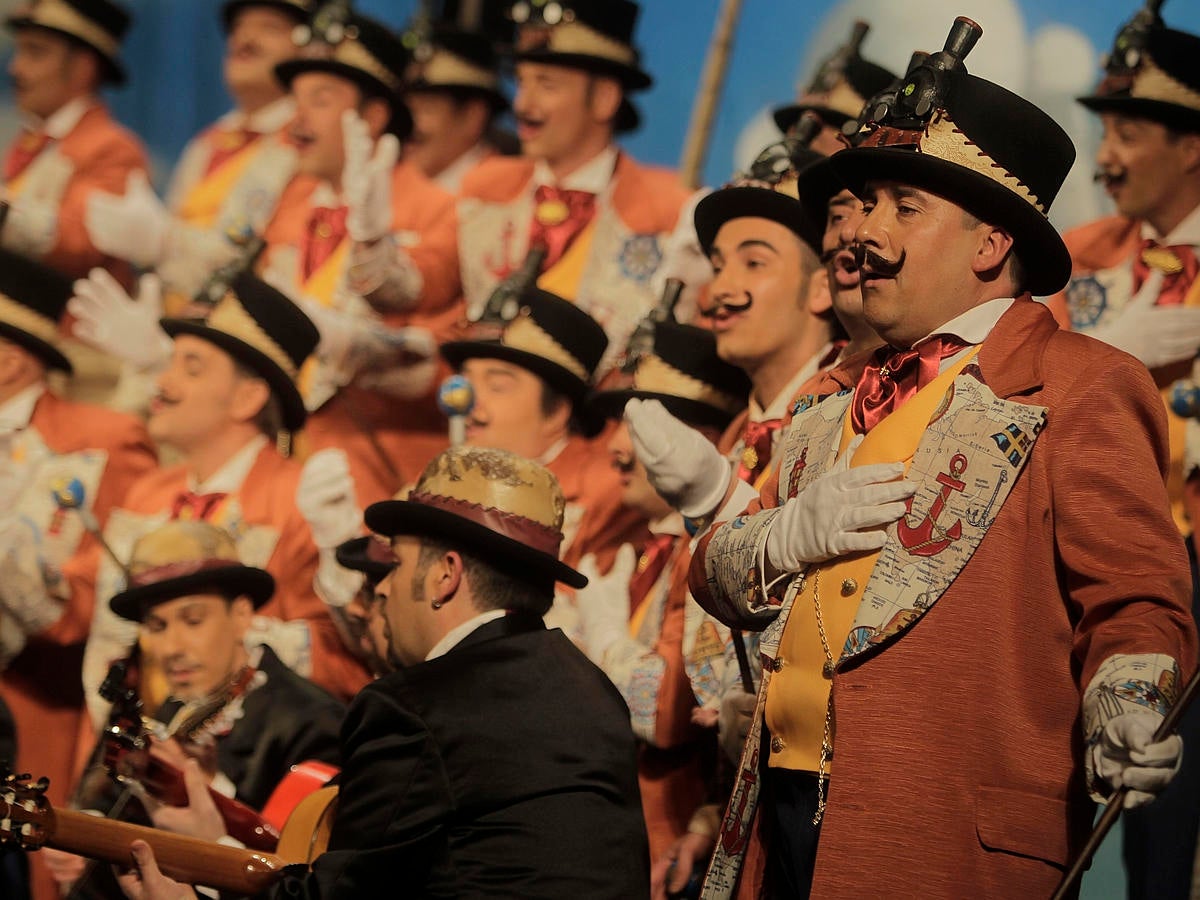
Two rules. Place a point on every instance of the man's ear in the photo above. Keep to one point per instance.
(444, 577)
(820, 299)
(377, 113)
(993, 249)
(606, 96)
(250, 396)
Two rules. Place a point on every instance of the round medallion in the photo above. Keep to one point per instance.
(750, 458)
(777, 744)
(552, 212)
(849, 586)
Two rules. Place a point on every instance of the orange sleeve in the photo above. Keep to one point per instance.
(436, 256)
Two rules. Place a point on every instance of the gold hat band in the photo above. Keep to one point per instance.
(1153, 83)
(525, 334)
(575, 37)
(64, 17)
(656, 375)
(230, 317)
(353, 54)
(20, 316)
(445, 69)
(842, 98)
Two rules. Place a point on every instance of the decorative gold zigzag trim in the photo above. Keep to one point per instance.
(574, 37)
(522, 333)
(352, 53)
(231, 317)
(1152, 83)
(944, 140)
(445, 69)
(843, 98)
(64, 17)
(20, 316)
(658, 376)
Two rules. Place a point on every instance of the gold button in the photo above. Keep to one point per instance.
(324, 231)
(750, 458)
(778, 663)
(849, 586)
(777, 744)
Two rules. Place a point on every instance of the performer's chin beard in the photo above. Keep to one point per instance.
(722, 308)
(872, 265)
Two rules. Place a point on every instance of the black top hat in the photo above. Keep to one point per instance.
(977, 144)
(356, 48)
(496, 505)
(448, 60)
(33, 298)
(685, 373)
(551, 337)
(99, 25)
(1159, 81)
(842, 84)
(767, 191)
(261, 328)
(297, 9)
(183, 558)
(367, 555)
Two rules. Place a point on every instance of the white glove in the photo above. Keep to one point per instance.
(23, 593)
(112, 321)
(334, 583)
(604, 604)
(1126, 756)
(826, 518)
(1157, 335)
(132, 227)
(291, 641)
(325, 497)
(367, 179)
(686, 469)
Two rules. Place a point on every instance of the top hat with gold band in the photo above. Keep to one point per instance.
(978, 145)
(184, 558)
(500, 507)
(1160, 81)
(767, 191)
(99, 25)
(33, 298)
(842, 84)
(356, 48)
(448, 60)
(593, 35)
(264, 330)
(686, 375)
(297, 9)
(551, 337)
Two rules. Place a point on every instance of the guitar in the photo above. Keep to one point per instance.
(29, 821)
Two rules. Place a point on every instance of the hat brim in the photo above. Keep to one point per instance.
(560, 379)
(1172, 115)
(47, 353)
(353, 555)
(401, 122)
(234, 580)
(494, 99)
(290, 401)
(1037, 243)
(731, 203)
(816, 186)
(404, 517)
(611, 405)
(786, 117)
(113, 70)
(631, 77)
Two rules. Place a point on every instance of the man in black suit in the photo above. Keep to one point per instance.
(496, 761)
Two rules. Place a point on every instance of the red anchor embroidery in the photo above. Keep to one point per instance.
(733, 835)
(793, 487)
(503, 267)
(920, 539)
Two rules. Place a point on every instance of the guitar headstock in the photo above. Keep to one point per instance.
(26, 818)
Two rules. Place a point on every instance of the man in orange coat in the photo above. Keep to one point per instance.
(66, 50)
(930, 543)
(50, 448)
(602, 217)
(226, 395)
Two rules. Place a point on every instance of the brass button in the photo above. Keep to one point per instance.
(777, 744)
(849, 586)
(778, 663)
(827, 669)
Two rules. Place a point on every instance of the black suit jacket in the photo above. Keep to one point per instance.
(505, 768)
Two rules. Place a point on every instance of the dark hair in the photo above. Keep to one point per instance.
(269, 419)
(491, 587)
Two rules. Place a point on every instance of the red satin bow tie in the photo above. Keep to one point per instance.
(893, 376)
(1178, 264)
(191, 506)
(757, 439)
(558, 217)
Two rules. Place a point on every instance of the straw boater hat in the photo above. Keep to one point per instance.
(842, 84)
(593, 35)
(500, 507)
(767, 191)
(448, 60)
(297, 9)
(97, 24)
(264, 330)
(551, 337)
(358, 49)
(686, 375)
(33, 298)
(184, 558)
(991, 152)
(1159, 81)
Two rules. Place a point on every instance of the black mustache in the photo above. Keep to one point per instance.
(1106, 176)
(875, 265)
(730, 308)
(828, 256)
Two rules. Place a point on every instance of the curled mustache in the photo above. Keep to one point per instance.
(1107, 176)
(729, 308)
(872, 264)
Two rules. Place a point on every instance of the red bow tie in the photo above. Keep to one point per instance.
(1177, 263)
(25, 149)
(326, 229)
(893, 376)
(757, 439)
(558, 217)
(191, 506)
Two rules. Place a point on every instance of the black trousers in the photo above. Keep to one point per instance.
(789, 799)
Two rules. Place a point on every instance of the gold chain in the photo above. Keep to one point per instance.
(827, 734)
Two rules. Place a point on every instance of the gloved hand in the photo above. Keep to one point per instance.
(112, 321)
(325, 497)
(1157, 335)
(684, 467)
(826, 518)
(733, 724)
(133, 227)
(604, 604)
(1127, 756)
(23, 591)
(367, 179)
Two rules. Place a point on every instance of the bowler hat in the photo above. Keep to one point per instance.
(33, 298)
(1160, 82)
(99, 25)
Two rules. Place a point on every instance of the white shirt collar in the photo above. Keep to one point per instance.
(324, 195)
(450, 178)
(268, 120)
(671, 524)
(1186, 232)
(593, 176)
(63, 120)
(458, 634)
(974, 325)
(17, 411)
(229, 478)
(778, 407)
(552, 452)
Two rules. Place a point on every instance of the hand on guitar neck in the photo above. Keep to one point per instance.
(200, 818)
(146, 882)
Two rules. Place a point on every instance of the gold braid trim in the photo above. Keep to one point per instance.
(64, 17)
(577, 38)
(20, 316)
(230, 317)
(660, 377)
(1152, 83)
(942, 139)
(353, 54)
(525, 334)
(445, 69)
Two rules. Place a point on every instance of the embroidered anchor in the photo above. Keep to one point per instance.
(979, 518)
(733, 829)
(919, 539)
(504, 267)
